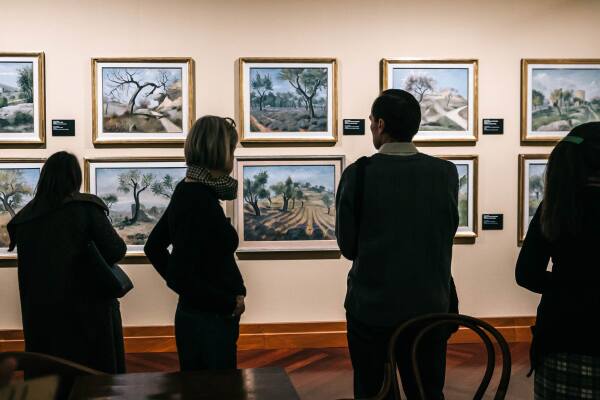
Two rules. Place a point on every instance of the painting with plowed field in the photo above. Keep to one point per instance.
(287, 203)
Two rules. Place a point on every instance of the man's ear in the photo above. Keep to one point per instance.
(381, 125)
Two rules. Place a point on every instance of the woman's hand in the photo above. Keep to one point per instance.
(240, 306)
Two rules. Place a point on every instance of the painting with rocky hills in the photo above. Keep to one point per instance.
(16, 97)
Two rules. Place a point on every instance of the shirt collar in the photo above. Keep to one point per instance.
(399, 149)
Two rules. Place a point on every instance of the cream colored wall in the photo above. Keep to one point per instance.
(359, 34)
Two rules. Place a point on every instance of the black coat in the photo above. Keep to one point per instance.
(60, 315)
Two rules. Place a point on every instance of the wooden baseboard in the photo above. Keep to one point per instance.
(146, 339)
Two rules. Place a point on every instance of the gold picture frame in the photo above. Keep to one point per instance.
(173, 137)
(9, 259)
(567, 70)
(467, 234)
(525, 160)
(120, 221)
(327, 136)
(37, 136)
(455, 134)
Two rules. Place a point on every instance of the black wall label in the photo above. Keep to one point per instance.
(63, 127)
(354, 127)
(493, 222)
(493, 126)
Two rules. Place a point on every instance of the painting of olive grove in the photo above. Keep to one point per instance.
(564, 98)
(442, 93)
(146, 100)
(17, 186)
(535, 183)
(16, 97)
(288, 99)
(289, 202)
(136, 197)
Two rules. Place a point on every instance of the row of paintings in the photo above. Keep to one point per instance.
(283, 203)
(151, 100)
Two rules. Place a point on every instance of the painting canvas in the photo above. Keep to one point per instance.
(446, 92)
(284, 100)
(287, 204)
(467, 194)
(136, 193)
(143, 101)
(21, 99)
(532, 179)
(559, 96)
(18, 180)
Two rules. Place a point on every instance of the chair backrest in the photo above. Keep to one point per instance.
(426, 323)
(36, 365)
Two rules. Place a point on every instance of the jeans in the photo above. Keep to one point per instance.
(206, 340)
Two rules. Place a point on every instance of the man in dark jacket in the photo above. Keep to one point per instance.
(399, 233)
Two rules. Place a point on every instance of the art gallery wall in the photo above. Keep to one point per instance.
(359, 33)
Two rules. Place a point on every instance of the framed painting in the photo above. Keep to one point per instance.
(288, 99)
(467, 167)
(142, 100)
(532, 170)
(22, 99)
(556, 96)
(446, 91)
(18, 180)
(287, 203)
(137, 191)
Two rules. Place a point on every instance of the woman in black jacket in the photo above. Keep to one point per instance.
(201, 265)
(62, 316)
(566, 228)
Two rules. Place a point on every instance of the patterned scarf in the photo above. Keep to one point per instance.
(225, 186)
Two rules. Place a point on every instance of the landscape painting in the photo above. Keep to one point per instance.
(136, 193)
(287, 204)
(532, 170)
(142, 101)
(284, 100)
(446, 93)
(466, 167)
(21, 99)
(18, 180)
(560, 96)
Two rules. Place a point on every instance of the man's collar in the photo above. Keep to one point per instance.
(399, 148)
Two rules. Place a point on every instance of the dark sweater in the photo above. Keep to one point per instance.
(201, 267)
(566, 319)
(402, 254)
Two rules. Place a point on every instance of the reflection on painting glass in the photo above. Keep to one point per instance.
(463, 195)
(564, 98)
(443, 94)
(136, 197)
(16, 97)
(147, 100)
(293, 202)
(536, 188)
(16, 190)
(288, 99)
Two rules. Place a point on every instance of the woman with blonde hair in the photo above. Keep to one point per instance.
(201, 266)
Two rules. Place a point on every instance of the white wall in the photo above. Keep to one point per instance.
(359, 33)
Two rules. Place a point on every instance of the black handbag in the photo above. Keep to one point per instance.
(111, 281)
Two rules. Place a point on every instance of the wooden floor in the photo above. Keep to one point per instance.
(327, 374)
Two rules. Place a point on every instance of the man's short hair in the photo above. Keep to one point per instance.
(400, 112)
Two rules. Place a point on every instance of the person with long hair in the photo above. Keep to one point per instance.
(200, 266)
(63, 315)
(565, 351)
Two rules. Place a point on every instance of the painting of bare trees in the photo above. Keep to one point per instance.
(285, 203)
(141, 101)
(560, 96)
(21, 98)
(445, 92)
(284, 100)
(136, 193)
(17, 185)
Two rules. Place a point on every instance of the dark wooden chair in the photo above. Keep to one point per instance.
(36, 365)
